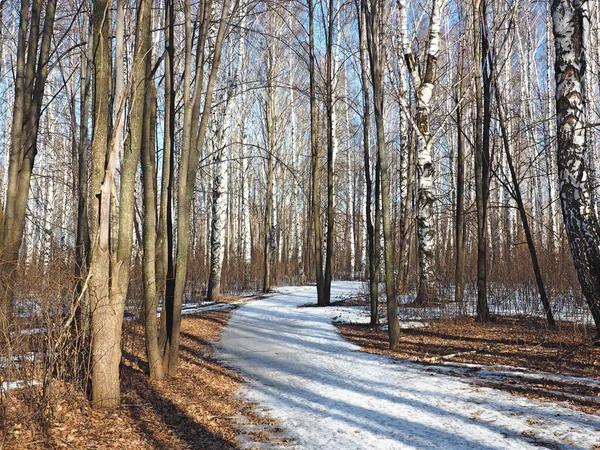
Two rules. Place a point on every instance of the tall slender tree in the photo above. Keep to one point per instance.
(315, 166)
(375, 39)
(209, 43)
(34, 45)
(424, 82)
(571, 24)
(372, 230)
(482, 150)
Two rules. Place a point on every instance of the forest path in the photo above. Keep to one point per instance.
(328, 395)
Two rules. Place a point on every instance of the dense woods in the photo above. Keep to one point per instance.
(156, 152)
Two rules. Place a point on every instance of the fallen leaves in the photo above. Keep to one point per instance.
(508, 341)
(200, 409)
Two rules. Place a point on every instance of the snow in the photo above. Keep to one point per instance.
(9, 386)
(361, 315)
(17, 360)
(503, 301)
(33, 331)
(195, 308)
(328, 395)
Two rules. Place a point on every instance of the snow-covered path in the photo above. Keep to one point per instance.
(328, 395)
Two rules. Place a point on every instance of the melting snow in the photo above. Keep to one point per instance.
(328, 395)
(9, 386)
(359, 314)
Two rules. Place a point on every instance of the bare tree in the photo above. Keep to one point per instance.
(424, 82)
(331, 148)
(482, 150)
(375, 40)
(372, 230)
(315, 169)
(209, 43)
(143, 134)
(33, 56)
(110, 267)
(571, 23)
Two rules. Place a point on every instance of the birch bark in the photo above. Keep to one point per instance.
(424, 86)
(570, 24)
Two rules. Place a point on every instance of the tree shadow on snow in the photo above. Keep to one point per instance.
(292, 387)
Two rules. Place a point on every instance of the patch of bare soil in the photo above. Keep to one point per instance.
(200, 409)
(517, 342)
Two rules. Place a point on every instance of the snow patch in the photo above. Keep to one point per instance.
(11, 385)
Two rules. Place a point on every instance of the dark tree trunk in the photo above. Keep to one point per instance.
(329, 105)
(372, 239)
(522, 213)
(460, 208)
(165, 270)
(375, 40)
(482, 155)
(316, 192)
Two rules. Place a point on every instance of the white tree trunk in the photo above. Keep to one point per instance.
(571, 25)
(425, 170)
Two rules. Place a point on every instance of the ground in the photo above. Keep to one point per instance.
(283, 377)
(501, 346)
(197, 410)
(329, 394)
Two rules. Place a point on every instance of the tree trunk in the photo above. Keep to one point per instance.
(268, 248)
(523, 213)
(82, 239)
(315, 169)
(219, 217)
(165, 270)
(372, 236)
(150, 242)
(424, 85)
(192, 145)
(331, 153)
(31, 75)
(110, 269)
(375, 41)
(460, 208)
(482, 157)
(106, 345)
(571, 22)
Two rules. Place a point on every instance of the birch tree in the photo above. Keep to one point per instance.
(222, 117)
(571, 23)
(271, 67)
(423, 80)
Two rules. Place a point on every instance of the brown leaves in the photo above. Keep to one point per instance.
(514, 341)
(197, 410)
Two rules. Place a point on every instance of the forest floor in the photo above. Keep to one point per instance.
(502, 354)
(452, 384)
(200, 409)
